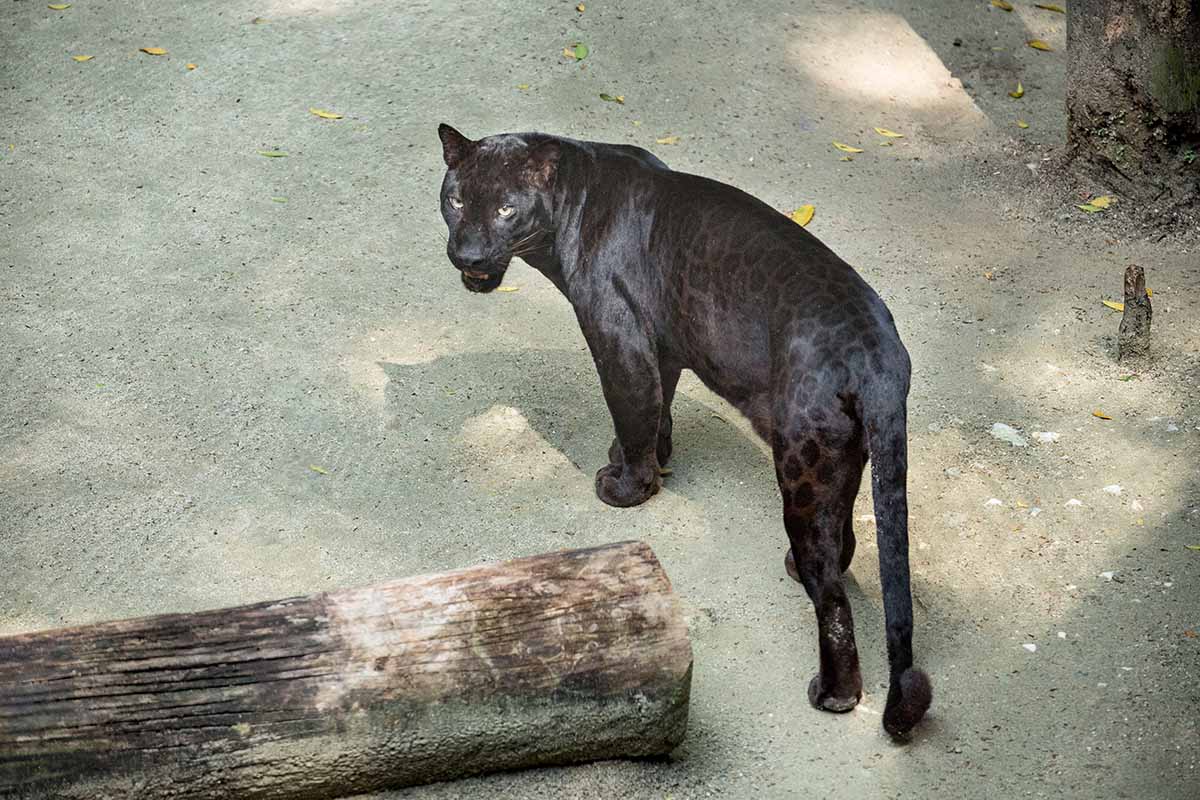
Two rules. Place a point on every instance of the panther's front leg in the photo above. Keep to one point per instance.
(629, 375)
(668, 379)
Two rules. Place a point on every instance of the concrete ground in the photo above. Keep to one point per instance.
(212, 396)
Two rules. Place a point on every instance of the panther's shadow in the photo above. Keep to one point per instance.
(558, 393)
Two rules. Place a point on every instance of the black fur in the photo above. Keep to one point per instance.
(668, 271)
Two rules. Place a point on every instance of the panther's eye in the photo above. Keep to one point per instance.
(505, 211)
(455, 202)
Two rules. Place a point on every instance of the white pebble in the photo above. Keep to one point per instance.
(1030, 646)
(1046, 437)
(1113, 489)
(1135, 506)
(1107, 575)
(1007, 433)
(1033, 512)
(1172, 427)
(995, 501)
(1073, 503)
(1062, 634)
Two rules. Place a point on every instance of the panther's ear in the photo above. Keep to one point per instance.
(455, 146)
(542, 164)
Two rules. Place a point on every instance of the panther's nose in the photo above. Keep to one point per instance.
(470, 262)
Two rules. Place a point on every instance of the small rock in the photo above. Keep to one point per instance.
(1033, 512)
(986, 367)
(1113, 489)
(1108, 576)
(957, 42)
(867, 518)
(1073, 503)
(1136, 506)
(1062, 634)
(1007, 433)
(952, 472)
(1172, 427)
(995, 501)
(1046, 437)
(934, 427)
(1030, 646)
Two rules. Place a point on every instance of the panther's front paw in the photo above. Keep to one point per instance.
(620, 486)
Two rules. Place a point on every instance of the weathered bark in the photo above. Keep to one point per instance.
(1133, 338)
(1133, 94)
(546, 660)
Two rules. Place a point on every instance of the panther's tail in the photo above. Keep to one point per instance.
(909, 692)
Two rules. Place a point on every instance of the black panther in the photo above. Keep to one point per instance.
(669, 271)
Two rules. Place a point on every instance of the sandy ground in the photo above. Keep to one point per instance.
(178, 349)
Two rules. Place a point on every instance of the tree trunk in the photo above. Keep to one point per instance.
(1133, 95)
(546, 660)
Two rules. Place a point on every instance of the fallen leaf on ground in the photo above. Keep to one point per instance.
(1038, 44)
(154, 51)
(1127, 378)
(1100, 414)
(1104, 201)
(613, 98)
(577, 51)
(885, 144)
(845, 148)
(325, 114)
(318, 470)
(1114, 305)
(1192, 546)
(272, 153)
(991, 276)
(667, 140)
(258, 21)
(278, 199)
(81, 59)
(846, 158)
(1190, 634)
(1002, 4)
(1022, 123)
(522, 86)
(1149, 292)
(580, 8)
(1095, 206)
(190, 67)
(803, 215)
(508, 288)
(889, 134)
(1018, 92)
(59, 6)
(1050, 7)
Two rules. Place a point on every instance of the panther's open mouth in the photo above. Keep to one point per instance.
(481, 281)
(479, 276)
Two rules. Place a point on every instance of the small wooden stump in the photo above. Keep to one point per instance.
(1133, 338)
(547, 660)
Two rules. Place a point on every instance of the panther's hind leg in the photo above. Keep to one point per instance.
(818, 464)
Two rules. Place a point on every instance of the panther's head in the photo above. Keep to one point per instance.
(496, 201)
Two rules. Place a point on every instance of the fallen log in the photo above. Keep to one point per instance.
(553, 659)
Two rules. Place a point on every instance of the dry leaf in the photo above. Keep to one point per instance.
(989, 276)
(1038, 44)
(1191, 634)
(508, 288)
(1002, 4)
(59, 6)
(885, 144)
(81, 59)
(1149, 292)
(278, 199)
(318, 470)
(846, 158)
(580, 8)
(522, 86)
(845, 148)
(665, 471)
(1104, 201)
(272, 153)
(154, 51)
(1022, 124)
(1100, 414)
(1050, 7)
(619, 98)
(1114, 306)
(190, 67)
(1091, 208)
(803, 215)
(889, 134)
(1017, 93)
(1192, 546)
(325, 114)
(667, 140)
(259, 21)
